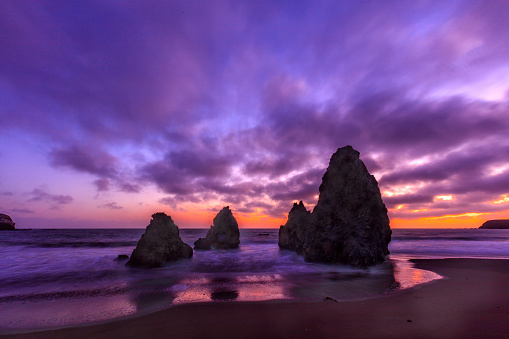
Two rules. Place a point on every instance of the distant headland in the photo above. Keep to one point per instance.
(6, 223)
(496, 224)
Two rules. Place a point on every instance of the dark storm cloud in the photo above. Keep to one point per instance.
(39, 194)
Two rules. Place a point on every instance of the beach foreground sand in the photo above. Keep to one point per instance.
(472, 301)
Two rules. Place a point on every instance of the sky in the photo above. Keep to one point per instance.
(113, 110)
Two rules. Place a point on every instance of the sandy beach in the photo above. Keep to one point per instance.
(472, 301)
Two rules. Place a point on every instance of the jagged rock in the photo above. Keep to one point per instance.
(122, 257)
(293, 234)
(6, 223)
(161, 243)
(223, 234)
(202, 244)
(349, 224)
(496, 224)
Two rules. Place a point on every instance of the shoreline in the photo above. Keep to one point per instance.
(472, 301)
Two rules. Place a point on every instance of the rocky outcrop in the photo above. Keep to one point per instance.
(6, 223)
(496, 224)
(349, 224)
(294, 233)
(202, 244)
(161, 243)
(223, 234)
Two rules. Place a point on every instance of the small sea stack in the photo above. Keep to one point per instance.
(223, 234)
(349, 224)
(159, 244)
(6, 223)
(500, 224)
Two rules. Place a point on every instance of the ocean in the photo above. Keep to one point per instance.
(55, 278)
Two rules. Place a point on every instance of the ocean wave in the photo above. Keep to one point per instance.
(58, 244)
(74, 294)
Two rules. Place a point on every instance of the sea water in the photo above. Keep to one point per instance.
(51, 278)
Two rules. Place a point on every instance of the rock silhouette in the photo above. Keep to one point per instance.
(159, 244)
(6, 223)
(496, 224)
(202, 244)
(223, 234)
(293, 235)
(349, 224)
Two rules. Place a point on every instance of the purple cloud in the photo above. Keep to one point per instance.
(23, 210)
(244, 102)
(129, 188)
(85, 159)
(102, 185)
(39, 194)
(111, 206)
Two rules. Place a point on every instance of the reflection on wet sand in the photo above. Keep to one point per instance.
(224, 288)
(150, 294)
(224, 295)
(340, 285)
(408, 276)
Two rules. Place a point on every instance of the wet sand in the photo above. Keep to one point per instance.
(472, 301)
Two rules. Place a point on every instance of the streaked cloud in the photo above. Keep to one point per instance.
(191, 106)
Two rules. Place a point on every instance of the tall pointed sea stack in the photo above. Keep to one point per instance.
(223, 234)
(161, 243)
(349, 224)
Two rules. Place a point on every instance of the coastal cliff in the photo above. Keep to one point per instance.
(496, 224)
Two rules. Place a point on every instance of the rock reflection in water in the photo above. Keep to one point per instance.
(224, 295)
(222, 288)
(334, 281)
(338, 282)
(148, 299)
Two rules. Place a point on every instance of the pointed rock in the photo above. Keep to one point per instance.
(223, 234)
(349, 224)
(292, 234)
(202, 244)
(161, 243)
